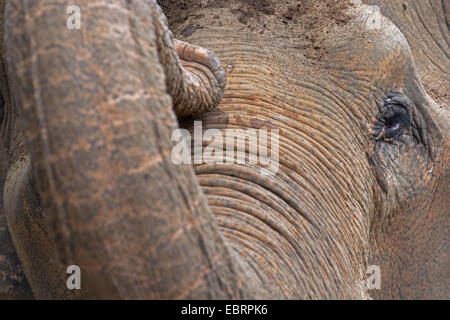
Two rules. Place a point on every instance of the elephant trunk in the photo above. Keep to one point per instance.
(98, 121)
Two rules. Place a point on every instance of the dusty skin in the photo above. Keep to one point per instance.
(357, 89)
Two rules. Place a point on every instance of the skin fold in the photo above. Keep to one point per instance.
(425, 24)
(129, 77)
(87, 177)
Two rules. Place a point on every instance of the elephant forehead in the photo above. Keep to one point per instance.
(340, 36)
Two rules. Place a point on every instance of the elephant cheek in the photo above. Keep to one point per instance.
(29, 234)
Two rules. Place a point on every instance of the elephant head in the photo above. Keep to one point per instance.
(88, 178)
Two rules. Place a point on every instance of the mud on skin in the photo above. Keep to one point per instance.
(87, 177)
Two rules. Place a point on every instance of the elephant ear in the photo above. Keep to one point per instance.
(13, 284)
(98, 122)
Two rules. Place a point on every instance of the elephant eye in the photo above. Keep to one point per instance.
(394, 118)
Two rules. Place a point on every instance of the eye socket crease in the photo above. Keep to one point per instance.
(394, 119)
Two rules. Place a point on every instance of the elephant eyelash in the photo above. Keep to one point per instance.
(394, 118)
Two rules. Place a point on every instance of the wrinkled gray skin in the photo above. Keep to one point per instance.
(87, 178)
(425, 24)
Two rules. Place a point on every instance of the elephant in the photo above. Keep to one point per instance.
(89, 178)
